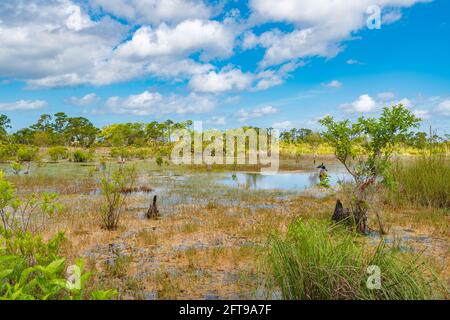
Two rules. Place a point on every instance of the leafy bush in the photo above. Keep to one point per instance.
(31, 269)
(80, 156)
(24, 214)
(112, 191)
(159, 161)
(8, 151)
(315, 262)
(27, 154)
(123, 153)
(58, 153)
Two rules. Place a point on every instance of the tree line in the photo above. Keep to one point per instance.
(62, 130)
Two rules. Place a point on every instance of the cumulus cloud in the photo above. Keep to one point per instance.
(319, 26)
(154, 103)
(23, 105)
(363, 104)
(244, 115)
(57, 43)
(87, 100)
(225, 80)
(156, 11)
(212, 38)
(52, 38)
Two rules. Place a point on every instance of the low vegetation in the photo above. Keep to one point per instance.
(318, 262)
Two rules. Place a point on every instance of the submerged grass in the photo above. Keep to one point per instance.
(316, 262)
(423, 181)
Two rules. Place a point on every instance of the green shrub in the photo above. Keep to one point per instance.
(58, 153)
(122, 152)
(8, 151)
(422, 181)
(159, 161)
(80, 156)
(315, 262)
(113, 187)
(31, 269)
(27, 154)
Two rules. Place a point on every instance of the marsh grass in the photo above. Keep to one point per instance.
(315, 261)
(423, 181)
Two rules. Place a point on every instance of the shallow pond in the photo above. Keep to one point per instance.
(292, 181)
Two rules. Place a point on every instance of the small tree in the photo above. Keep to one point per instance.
(113, 187)
(378, 136)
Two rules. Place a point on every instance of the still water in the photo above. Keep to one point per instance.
(292, 181)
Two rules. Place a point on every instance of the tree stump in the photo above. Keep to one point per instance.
(153, 212)
(355, 218)
(340, 214)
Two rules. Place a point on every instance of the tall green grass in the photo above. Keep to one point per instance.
(424, 181)
(315, 262)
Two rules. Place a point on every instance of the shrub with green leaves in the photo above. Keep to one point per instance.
(113, 186)
(32, 269)
(28, 213)
(8, 151)
(81, 156)
(27, 154)
(318, 262)
(58, 153)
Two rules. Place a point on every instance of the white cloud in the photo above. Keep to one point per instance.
(226, 80)
(23, 105)
(444, 108)
(55, 43)
(151, 103)
(156, 11)
(282, 125)
(405, 102)
(333, 84)
(87, 100)
(243, 115)
(365, 103)
(320, 27)
(53, 38)
(211, 38)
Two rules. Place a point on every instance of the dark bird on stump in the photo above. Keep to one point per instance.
(322, 167)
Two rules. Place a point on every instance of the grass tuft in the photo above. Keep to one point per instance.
(316, 262)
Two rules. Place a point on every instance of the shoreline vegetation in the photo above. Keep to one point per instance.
(87, 205)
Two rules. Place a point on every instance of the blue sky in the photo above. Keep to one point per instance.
(268, 63)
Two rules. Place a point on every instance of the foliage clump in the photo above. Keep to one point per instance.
(316, 262)
(377, 137)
